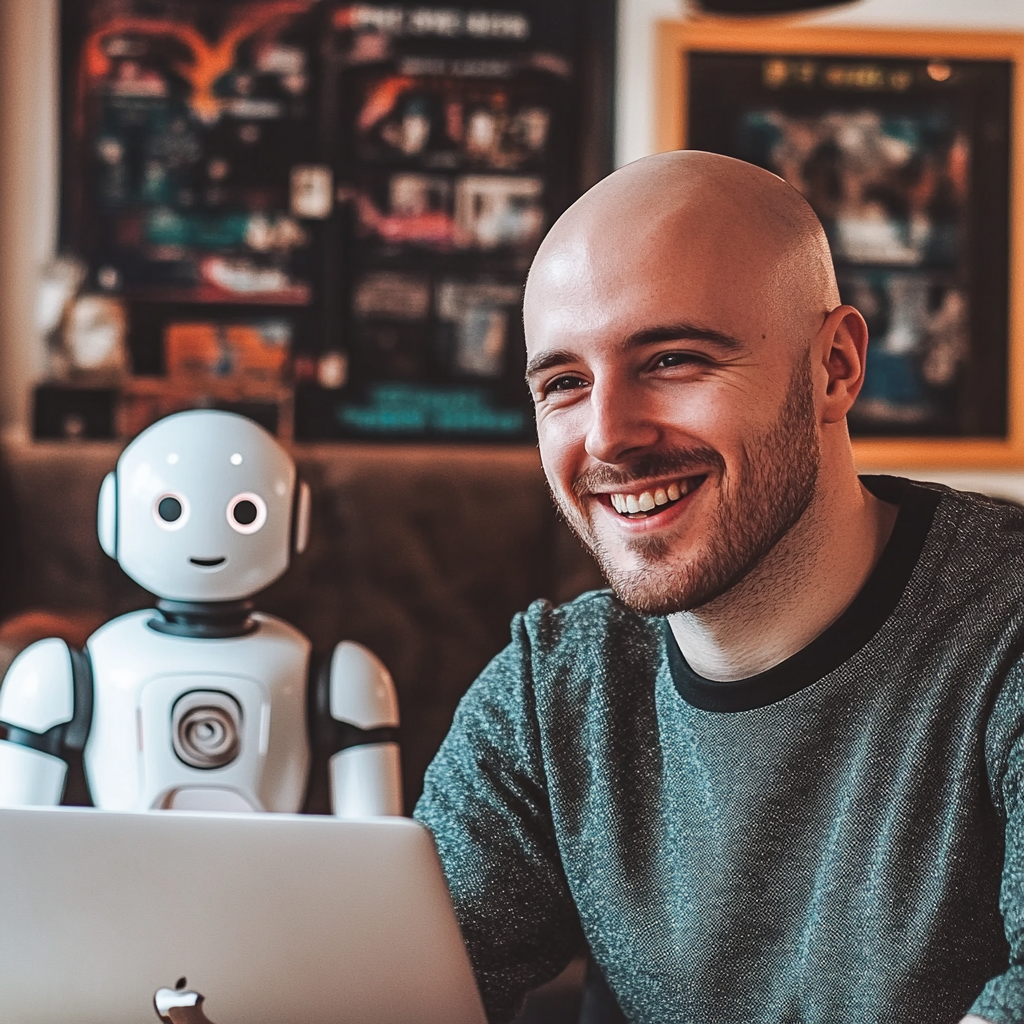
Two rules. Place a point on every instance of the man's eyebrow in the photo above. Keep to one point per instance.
(645, 336)
(681, 332)
(547, 360)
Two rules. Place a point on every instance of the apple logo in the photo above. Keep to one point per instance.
(179, 1006)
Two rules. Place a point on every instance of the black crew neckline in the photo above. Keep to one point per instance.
(875, 602)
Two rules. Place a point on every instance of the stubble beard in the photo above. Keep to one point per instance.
(776, 483)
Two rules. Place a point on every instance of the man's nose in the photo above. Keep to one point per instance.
(622, 423)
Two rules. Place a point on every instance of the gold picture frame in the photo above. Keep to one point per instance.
(877, 62)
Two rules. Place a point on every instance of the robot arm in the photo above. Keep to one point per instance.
(45, 712)
(356, 729)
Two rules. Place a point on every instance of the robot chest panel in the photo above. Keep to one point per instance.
(211, 725)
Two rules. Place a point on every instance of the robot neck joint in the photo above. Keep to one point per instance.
(204, 620)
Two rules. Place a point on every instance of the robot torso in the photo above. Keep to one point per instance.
(200, 724)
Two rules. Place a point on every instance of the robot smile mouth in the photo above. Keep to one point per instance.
(209, 564)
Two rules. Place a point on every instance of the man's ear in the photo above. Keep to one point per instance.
(843, 344)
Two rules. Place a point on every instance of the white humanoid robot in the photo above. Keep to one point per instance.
(202, 703)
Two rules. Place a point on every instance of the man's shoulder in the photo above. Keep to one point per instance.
(593, 641)
(979, 529)
(958, 518)
(559, 657)
(593, 619)
(970, 568)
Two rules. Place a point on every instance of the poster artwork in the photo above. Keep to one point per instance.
(891, 190)
(188, 118)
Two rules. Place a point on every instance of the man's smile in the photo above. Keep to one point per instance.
(650, 501)
(642, 503)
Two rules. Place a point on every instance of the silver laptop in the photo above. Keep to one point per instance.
(110, 918)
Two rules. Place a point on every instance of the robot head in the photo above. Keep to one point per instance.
(203, 506)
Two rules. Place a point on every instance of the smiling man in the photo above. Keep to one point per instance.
(776, 772)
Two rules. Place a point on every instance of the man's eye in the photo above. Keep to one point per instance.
(679, 359)
(567, 382)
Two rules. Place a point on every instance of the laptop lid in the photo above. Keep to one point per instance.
(268, 918)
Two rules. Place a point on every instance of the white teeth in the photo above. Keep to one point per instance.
(630, 504)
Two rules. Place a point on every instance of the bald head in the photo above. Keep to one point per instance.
(726, 230)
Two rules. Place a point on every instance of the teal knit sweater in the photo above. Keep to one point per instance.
(839, 839)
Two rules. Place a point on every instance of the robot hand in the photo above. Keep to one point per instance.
(45, 711)
(358, 721)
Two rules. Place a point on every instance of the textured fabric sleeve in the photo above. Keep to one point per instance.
(1002, 999)
(486, 802)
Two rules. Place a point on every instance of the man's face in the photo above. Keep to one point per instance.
(675, 413)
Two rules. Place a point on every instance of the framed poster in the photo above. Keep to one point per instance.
(456, 136)
(909, 147)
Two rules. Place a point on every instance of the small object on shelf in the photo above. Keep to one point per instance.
(332, 370)
(68, 413)
(251, 353)
(58, 285)
(312, 191)
(95, 330)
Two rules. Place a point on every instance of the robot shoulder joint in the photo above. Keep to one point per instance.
(38, 691)
(361, 690)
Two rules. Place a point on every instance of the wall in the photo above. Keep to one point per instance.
(28, 190)
(28, 155)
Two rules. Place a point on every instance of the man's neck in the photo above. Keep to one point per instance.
(795, 593)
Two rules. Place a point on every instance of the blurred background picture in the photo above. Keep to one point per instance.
(892, 191)
(906, 162)
(187, 120)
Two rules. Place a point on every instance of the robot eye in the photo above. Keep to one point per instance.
(247, 512)
(170, 511)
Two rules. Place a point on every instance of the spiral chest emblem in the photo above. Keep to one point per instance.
(206, 729)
